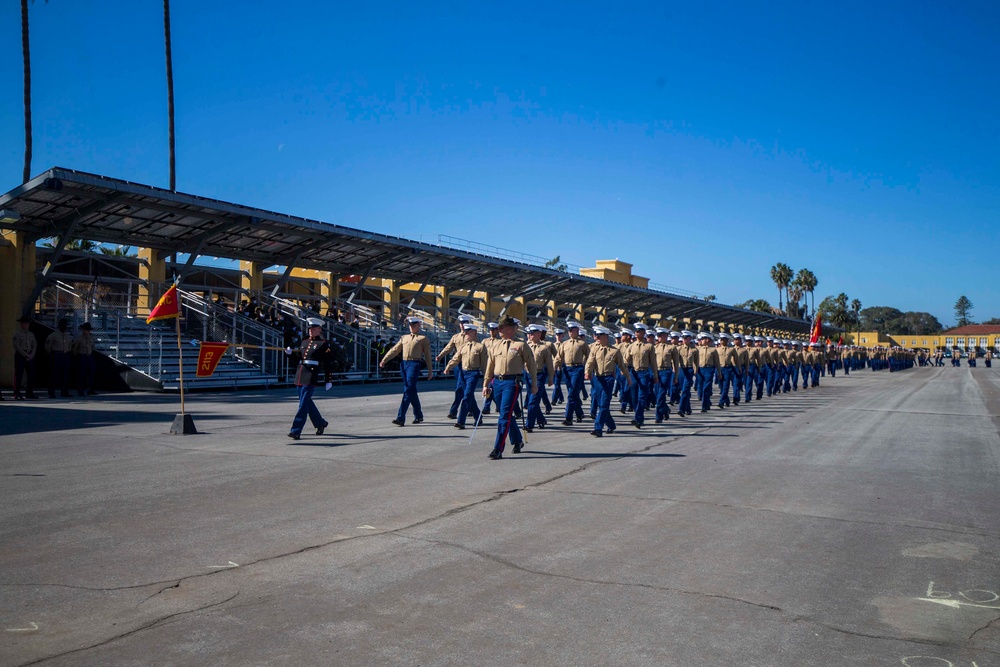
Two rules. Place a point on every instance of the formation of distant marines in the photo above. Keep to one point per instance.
(649, 370)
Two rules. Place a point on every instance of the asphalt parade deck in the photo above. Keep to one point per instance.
(854, 524)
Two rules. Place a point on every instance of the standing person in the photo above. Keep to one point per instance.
(641, 362)
(708, 366)
(25, 349)
(544, 370)
(83, 351)
(817, 369)
(416, 351)
(508, 361)
(58, 346)
(688, 371)
(557, 380)
(742, 366)
(552, 375)
(315, 366)
(602, 362)
(573, 355)
(456, 341)
(626, 400)
(675, 390)
(729, 359)
(987, 359)
(494, 335)
(471, 357)
(667, 360)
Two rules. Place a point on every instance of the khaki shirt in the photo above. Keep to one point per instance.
(59, 341)
(754, 356)
(603, 360)
(742, 358)
(512, 357)
(764, 356)
(456, 342)
(642, 356)
(25, 343)
(729, 357)
(667, 357)
(473, 356)
(414, 347)
(777, 356)
(573, 352)
(687, 356)
(708, 357)
(83, 344)
(543, 357)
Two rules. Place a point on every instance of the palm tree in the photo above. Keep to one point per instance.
(806, 279)
(781, 274)
(795, 292)
(26, 58)
(170, 94)
(856, 309)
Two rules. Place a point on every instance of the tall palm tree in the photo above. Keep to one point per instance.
(856, 309)
(170, 94)
(26, 58)
(781, 274)
(807, 281)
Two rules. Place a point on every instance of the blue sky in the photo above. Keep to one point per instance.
(703, 142)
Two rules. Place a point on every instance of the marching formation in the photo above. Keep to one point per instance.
(652, 372)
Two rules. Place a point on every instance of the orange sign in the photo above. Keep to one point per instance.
(209, 355)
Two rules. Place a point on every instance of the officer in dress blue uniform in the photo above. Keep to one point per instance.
(315, 367)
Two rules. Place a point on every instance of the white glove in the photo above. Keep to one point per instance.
(289, 351)
(329, 385)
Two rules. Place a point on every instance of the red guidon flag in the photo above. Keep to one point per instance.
(166, 307)
(817, 328)
(209, 355)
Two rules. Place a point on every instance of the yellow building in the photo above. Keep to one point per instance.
(983, 336)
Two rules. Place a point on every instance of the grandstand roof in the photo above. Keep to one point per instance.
(81, 205)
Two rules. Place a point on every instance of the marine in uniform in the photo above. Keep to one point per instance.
(25, 349)
(508, 361)
(742, 364)
(83, 352)
(58, 346)
(557, 379)
(729, 359)
(688, 368)
(602, 362)
(472, 357)
(817, 368)
(552, 375)
(708, 366)
(493, 330)
(316, 359)
(544, 371)
(667, 360)
(452, 347)
(573, 355)
(625, 398)
(642, 364)
(416, 351)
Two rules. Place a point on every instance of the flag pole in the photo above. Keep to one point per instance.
(180, 356)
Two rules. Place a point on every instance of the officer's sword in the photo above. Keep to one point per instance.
(479, 418)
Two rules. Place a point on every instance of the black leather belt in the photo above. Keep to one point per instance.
(574, 365)
(508, 377)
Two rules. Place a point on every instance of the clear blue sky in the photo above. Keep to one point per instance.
(703, 142)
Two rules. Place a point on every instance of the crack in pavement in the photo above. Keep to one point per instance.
(950, 529)
(147, 626)
(978, 630)
(599, 582)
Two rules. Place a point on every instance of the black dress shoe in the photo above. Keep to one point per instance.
(319, 431)
(418, 421)
(542, 425)
(659, 421)
(612, 430)
(399, 422)
(294, 436)
(495, 454)
(529, 429)
(579, 419)
(548, 411)
(596, 433)
(460, 427)
(517, 447)
(452, 415)
(486, 411)
(567, 422)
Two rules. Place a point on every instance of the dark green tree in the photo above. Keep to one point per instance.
(963, 311)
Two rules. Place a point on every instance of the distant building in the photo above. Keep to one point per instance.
(979, 337)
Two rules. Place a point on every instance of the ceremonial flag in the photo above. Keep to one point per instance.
(817, 328)
(841, 341)
(166, 307)
(209, 355)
